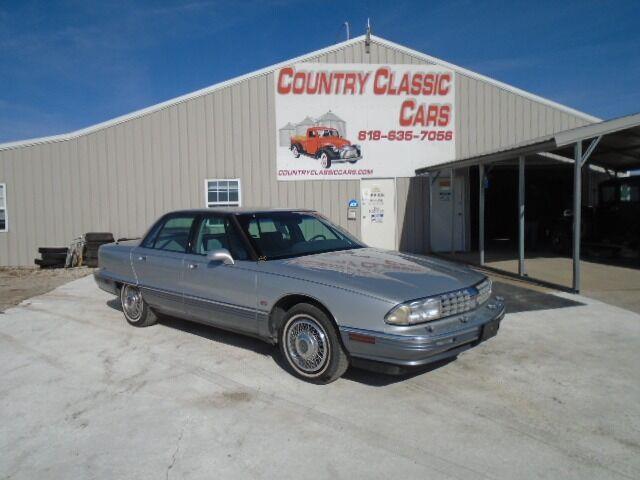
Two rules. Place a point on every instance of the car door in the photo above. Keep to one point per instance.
(312, 142)
(214, 292)
(158, 263)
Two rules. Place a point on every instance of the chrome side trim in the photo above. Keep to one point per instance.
(194, 300)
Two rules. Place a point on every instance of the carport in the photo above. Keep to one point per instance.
(611, 146)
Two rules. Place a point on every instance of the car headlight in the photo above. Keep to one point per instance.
(414, 312)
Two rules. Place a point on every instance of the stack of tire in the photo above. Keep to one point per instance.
(92, 242)
(51, 257)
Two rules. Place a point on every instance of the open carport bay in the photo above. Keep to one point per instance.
(555, 395)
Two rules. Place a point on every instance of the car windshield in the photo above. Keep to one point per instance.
(292, 234)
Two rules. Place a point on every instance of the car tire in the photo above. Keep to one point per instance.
(136, 311)
(295, 151)
(325, 160)
(310, 345)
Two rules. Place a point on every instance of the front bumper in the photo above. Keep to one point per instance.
(463, 332)
(346, 154)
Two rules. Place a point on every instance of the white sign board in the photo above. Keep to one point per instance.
(351, 121)
(379, 212)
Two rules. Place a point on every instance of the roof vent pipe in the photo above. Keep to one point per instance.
(367, 39)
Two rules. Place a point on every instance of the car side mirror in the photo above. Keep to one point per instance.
(220, 255)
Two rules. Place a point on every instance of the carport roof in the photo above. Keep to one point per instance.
(618, 149)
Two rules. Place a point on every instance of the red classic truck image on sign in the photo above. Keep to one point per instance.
(325, 144)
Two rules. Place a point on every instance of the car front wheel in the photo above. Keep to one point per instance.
(310, 345)
(136, 310)
(295, 151)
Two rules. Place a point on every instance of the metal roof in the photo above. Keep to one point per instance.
(619, 147)
(267, 70)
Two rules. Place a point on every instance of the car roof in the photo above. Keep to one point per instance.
(241, 210)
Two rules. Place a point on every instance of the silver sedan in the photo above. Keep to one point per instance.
(292, 278)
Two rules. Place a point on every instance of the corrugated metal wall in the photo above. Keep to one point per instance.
(122, 177)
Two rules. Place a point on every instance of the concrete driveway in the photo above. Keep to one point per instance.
(83, 395)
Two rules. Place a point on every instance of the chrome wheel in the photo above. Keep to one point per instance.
(132, 302)
(324, 160)
(307, 345)
(295, 152)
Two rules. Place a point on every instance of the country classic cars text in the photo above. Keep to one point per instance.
(382, 81)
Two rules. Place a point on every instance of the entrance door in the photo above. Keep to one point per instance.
(379, 212)
(445, 236)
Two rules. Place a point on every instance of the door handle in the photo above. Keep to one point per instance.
(142, 258)
(193, 265)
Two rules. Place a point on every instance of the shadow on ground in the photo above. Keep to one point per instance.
(366, 377)
(519, 299)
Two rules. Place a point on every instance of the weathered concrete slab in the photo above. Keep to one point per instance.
(83, 395)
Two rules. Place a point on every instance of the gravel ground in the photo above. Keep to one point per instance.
(19, 283)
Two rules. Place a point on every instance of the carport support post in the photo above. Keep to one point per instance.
(452, 199)
(521, 271)
(481, 213)
(577, 212)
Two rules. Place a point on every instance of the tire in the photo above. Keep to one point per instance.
(136, 311)
(325, 160)
(295, 151)
(310, 345)
(49, 263)
(54, 256)
(102, 237)
(352, 161)
(54, 250)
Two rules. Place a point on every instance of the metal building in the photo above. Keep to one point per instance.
(219, 146)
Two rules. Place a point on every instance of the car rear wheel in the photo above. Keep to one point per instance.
(310, 345)
(136, 310)
(295, 151)
(325, 161)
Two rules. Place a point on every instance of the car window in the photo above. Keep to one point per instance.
(311, 229)
(215, 232)
(629, 193)
(290, 234)
(174, 234)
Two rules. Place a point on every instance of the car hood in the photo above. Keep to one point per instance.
(388, 275)
(337, 142)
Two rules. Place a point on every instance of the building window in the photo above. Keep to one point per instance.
(222, 193)
(3, 208)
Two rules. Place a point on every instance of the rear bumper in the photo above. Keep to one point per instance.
(368, 347)
(105, 282)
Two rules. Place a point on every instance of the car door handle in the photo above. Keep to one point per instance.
(142, 258)
(193, 265)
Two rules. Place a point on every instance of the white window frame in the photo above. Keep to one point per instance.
(209, 204)
(3, 206)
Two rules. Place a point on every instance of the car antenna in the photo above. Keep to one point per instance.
(367, 38)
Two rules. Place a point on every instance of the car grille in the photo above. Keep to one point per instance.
(349, 152)
(461, 301)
